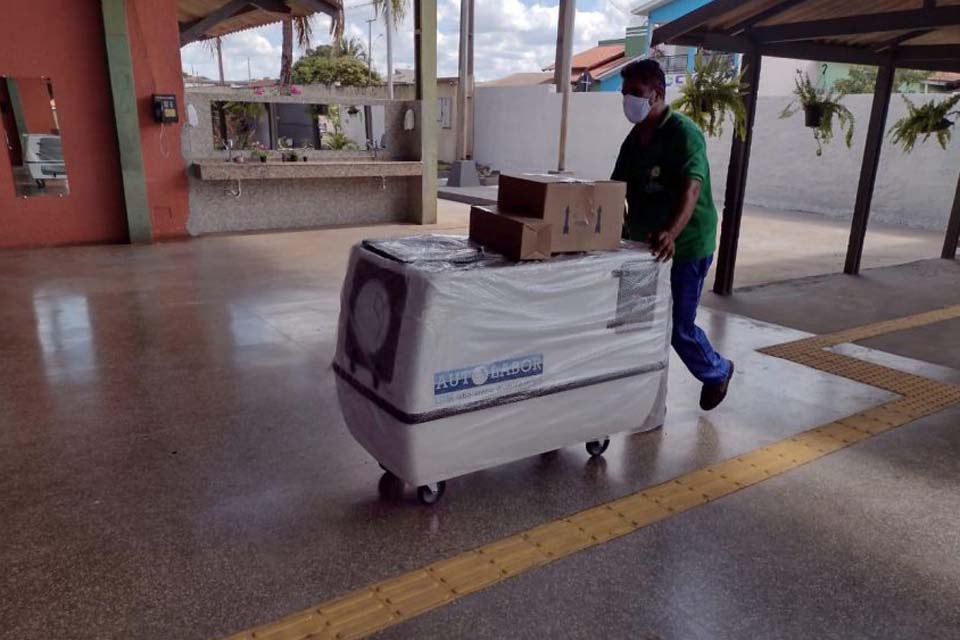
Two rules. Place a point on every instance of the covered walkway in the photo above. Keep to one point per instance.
(913, 34)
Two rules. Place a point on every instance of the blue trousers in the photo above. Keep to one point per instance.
(689, 341)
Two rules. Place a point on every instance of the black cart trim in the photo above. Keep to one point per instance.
(436, 414)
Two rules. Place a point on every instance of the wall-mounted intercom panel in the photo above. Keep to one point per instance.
(165, 108)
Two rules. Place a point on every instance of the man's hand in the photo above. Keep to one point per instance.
(662, 245)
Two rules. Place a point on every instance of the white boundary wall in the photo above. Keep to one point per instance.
(517, 130)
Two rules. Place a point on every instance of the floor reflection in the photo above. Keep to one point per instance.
(65, 336)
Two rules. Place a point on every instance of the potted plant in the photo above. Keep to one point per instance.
(242, 119)
(930, 119)
(820, 106)
(339, 141)
(713, 90)
(259, 151)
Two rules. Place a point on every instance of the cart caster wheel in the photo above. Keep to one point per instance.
(597, 447)
(431, 494)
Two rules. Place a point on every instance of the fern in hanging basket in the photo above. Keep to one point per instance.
(820, 106)
(930, 119)
(711, 92)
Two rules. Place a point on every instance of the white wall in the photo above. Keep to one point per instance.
(777, 75)
(517, 129)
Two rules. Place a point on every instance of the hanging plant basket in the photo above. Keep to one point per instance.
(821, 108)
(943, 125)
(813, 116)
(929, 119)
(712, 93)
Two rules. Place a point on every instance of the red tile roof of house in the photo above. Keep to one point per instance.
(945, 77)
(520, 79)
(595, 57)
(598, 72)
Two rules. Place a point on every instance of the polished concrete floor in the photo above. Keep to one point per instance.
(785, 245)
(173, 464)
(823, 304)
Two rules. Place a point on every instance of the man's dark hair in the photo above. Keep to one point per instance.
(648, 72)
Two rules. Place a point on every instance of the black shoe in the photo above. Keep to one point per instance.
(713, 394)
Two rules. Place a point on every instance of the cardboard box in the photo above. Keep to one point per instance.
(584, 215)
(516, 237)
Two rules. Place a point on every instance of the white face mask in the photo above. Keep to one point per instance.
(635, 108)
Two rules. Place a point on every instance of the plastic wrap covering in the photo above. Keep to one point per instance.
(449, 360)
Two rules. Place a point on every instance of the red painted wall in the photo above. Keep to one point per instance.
(64, 41)
(155, 47)
(35, 99)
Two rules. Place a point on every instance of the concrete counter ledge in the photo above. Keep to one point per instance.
(209, 170)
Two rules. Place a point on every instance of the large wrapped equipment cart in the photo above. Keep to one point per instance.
(450, 360)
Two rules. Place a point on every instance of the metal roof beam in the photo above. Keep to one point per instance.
(272, 6)
(900, 39)
(928, 52)
(802, 50)
(824, 53)
(693, 20)
(757, 18)
(193, 31)
(933, 18)
(715, 42)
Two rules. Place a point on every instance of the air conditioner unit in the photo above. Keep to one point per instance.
(450, 360)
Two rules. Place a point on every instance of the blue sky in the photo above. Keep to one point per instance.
(511, 36)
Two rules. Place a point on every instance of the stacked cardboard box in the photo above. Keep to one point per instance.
(539, 215)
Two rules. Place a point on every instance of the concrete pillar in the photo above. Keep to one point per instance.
(120, 65)
(463, 172)
(425, 46)
(568, 12)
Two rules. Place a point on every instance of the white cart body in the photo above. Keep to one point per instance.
(450, 361)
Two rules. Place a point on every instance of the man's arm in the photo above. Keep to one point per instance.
(664, 242)
(695, 170)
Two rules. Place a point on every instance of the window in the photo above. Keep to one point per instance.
(445, 112)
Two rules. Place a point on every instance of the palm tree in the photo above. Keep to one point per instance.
(304, 32)
(395, 11)
(214, 48)
(397, 7)
(352, 48)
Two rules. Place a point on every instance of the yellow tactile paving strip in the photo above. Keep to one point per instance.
(392, 601)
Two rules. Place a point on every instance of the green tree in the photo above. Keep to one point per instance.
(303, 28)
(319, 67)
(352, 48)
(863, 79)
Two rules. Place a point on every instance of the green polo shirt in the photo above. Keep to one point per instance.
(655, 175)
